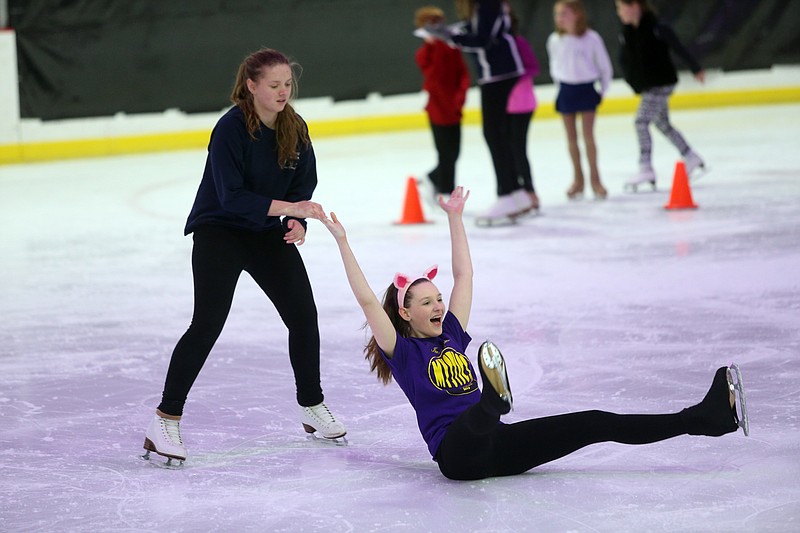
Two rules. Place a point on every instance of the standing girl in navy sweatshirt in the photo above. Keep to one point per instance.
(646, 42)
(248, 215)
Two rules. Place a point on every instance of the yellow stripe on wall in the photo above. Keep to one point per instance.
(186, 140)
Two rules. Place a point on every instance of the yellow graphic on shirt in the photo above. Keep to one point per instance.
(450, 371)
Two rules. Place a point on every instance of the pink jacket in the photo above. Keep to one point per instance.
(523, 98)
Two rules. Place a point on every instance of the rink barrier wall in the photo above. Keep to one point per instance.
(197, 139)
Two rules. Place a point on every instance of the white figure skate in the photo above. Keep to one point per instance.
(737, 388)
(506, 210)
(318, 418)
(525, 206)
(695, 166)
(645, 176)
(163, 436)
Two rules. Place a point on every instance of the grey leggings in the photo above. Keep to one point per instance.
(654, 108)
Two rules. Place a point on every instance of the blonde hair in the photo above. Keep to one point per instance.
(428, 15)
(577, 7)
(290, 130)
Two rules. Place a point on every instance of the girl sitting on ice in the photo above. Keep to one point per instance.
(423, 346)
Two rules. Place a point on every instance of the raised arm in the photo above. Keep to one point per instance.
(382, 328)
(461, 297)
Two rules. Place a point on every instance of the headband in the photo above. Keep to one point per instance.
(402, 282)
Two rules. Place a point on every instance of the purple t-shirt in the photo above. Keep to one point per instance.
(436, 377)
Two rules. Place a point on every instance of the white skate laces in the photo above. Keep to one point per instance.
(163, 437)
(319, 418)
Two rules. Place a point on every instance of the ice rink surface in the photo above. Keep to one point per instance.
(617, 305)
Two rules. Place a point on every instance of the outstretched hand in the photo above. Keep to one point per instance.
(334, 226)
(454, 204)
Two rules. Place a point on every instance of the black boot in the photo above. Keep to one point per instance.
(714, 416)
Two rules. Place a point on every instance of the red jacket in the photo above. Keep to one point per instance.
(446, 79)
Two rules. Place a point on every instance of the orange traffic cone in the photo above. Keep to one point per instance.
(412, 208)
(681, 196)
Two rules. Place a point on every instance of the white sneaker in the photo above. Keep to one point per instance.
(163, 436)
(693, 162)
(646, 175)
(319, 418)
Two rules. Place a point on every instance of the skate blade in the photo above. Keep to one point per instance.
(170, 463)
(698, 173)
(737, 387)
(487, 222)
(634, 187)
(533, 212)
(493, 360)
(337, 441)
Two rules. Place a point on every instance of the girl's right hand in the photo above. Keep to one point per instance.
(334, 226)
(454, 204)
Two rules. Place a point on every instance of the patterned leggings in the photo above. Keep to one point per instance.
(653, 108)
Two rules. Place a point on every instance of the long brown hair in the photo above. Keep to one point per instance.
(290, 130)
(372, 353)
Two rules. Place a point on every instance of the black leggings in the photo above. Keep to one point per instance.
(497, 133)
(477, 446)
(219, 256)
(448, 144)
(518, 124)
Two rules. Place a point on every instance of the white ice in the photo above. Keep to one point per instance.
(618, 305)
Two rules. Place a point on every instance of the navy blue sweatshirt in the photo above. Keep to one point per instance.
(487, 37)
(242, 177)
(645, 54)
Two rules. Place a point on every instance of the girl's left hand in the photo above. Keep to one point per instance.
(454, 204)
(296, 234)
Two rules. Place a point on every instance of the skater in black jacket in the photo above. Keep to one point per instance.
(484, 33)
(646, 42)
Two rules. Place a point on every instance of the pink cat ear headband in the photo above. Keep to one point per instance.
(402, 282)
